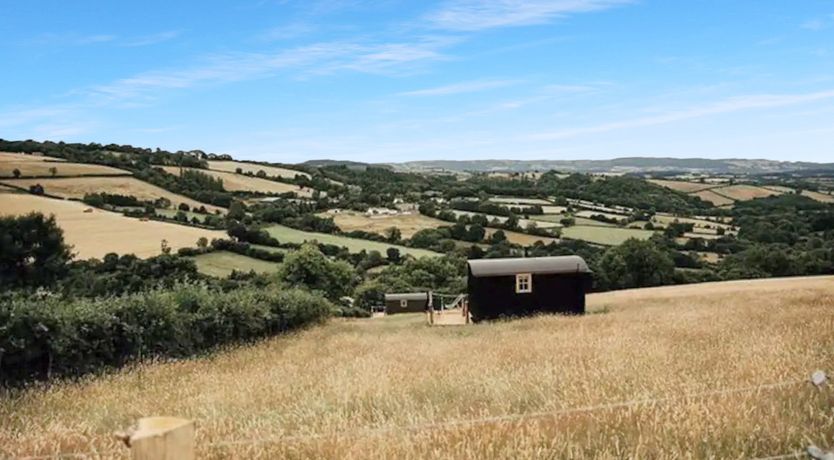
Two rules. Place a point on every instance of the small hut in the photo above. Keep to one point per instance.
(413, 302)
(524, 286)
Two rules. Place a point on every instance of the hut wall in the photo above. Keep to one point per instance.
(492, 297)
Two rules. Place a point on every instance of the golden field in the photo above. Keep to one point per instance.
(714, 198)
(745, 192)
(77, 187)
(681, 186)
(397, 388)
(409, 224)
(33, 165)
(239, 183)
(272, 171)
(96, 233)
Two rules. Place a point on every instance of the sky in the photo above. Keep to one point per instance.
(391, 81)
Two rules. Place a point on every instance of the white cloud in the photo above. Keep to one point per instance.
(459, 88)
(473, 15)
(734, 104)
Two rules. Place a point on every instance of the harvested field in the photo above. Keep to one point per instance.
(702, 235)
(823, 197)
(9, 156)
(40, 166)
(77, 187)
(523, 239)
(222, 263)
(709, 257)
(96, 233)
(238, 183)
(523, 223)
(291, 235)
(779, 189)
(609, 236)
(511, 200)
(271, 171)
(666, 219)
(391, 387)
(409, 224)
(588, 214)
(681, 186)
(744, 192)
(714, 198)
(554, 209)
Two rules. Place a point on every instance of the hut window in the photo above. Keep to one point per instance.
(523, 283)
(403, 303)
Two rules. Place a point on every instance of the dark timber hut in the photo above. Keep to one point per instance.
(414, 302)
(525, 286)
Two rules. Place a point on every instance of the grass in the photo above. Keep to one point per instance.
(744, 192)
(77, 187)
(714, 198)
(370, 378)
(30, 165)
(272, 171)
(409, 224)
(96, 233)
(222, 263)
(610, 236)
(291, 235)
(682, 186)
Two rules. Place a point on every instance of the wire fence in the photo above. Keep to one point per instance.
(817, 380)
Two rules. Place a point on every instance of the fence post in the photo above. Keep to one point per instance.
(161, 438)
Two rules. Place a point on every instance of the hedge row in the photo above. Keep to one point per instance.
(52, 336)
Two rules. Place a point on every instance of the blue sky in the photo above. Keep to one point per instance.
(394, 80)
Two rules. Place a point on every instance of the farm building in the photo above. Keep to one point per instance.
(524, 286)
(415, 302)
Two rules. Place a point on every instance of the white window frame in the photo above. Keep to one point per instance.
(403, 303)
(524, 283)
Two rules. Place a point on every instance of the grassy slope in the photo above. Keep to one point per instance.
(604, 235)
(222, 263)
(362, 376)
(291, 235)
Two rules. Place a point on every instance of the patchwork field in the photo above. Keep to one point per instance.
(30, 165)
(239, 183)
(554, 209)
(96, 233)
(823, 197)
(523, 239)
(272, 171)
(523, 223)
(77, 187)
(291, 235)
(673, 372)
(222, 263)
(510, 200)
(681, 186)
(409, 224)
(608, 236)
(588, 214)
(744, 192)
(714, 198)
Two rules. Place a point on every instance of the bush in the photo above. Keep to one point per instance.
(47, 335)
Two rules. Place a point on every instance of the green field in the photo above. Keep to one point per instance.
(222, 263)
(579, 220)
(267, 248)
(604, 235)
(291, 235)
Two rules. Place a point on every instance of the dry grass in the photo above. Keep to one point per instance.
(370, 378)
(94, 234)
(77, 187)
(745, 192)
(511, 200)
(823, 197)
(30, 165)
(523, 239)
(681, 186)
(409, 224)
(272, 171)
(714, 198)
(239, 183)
(9, 156)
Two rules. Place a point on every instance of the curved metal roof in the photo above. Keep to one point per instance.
(534, 265)
(408, 296)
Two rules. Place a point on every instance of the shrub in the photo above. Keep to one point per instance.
(46, 335)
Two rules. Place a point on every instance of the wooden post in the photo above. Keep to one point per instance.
(161, 438)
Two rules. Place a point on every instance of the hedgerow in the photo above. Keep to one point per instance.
(47, 335)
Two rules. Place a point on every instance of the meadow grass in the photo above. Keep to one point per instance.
(353, 385)
(604, 235)
(222, 263)
(291, 235)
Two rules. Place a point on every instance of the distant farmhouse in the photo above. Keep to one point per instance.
(525, 286)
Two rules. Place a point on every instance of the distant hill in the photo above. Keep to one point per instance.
(622, 165)
(348, 163)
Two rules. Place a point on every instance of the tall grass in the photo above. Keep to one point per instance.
(384, 374)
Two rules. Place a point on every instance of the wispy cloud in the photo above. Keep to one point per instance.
(734, 104)
(153, 39)
(474, 15)
(459, 88)
(813, 24)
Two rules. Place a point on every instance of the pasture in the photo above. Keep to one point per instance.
(714, 198)
(609, 236)
(239, 183)
(672, 372)
(96, 233)
(271, 171)
(409, 224)
(77, 187)
(523, 223)
(291, 235)
(523, 239)
(744, 192)
(222, 263)
(822, 197)
(511, 200)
